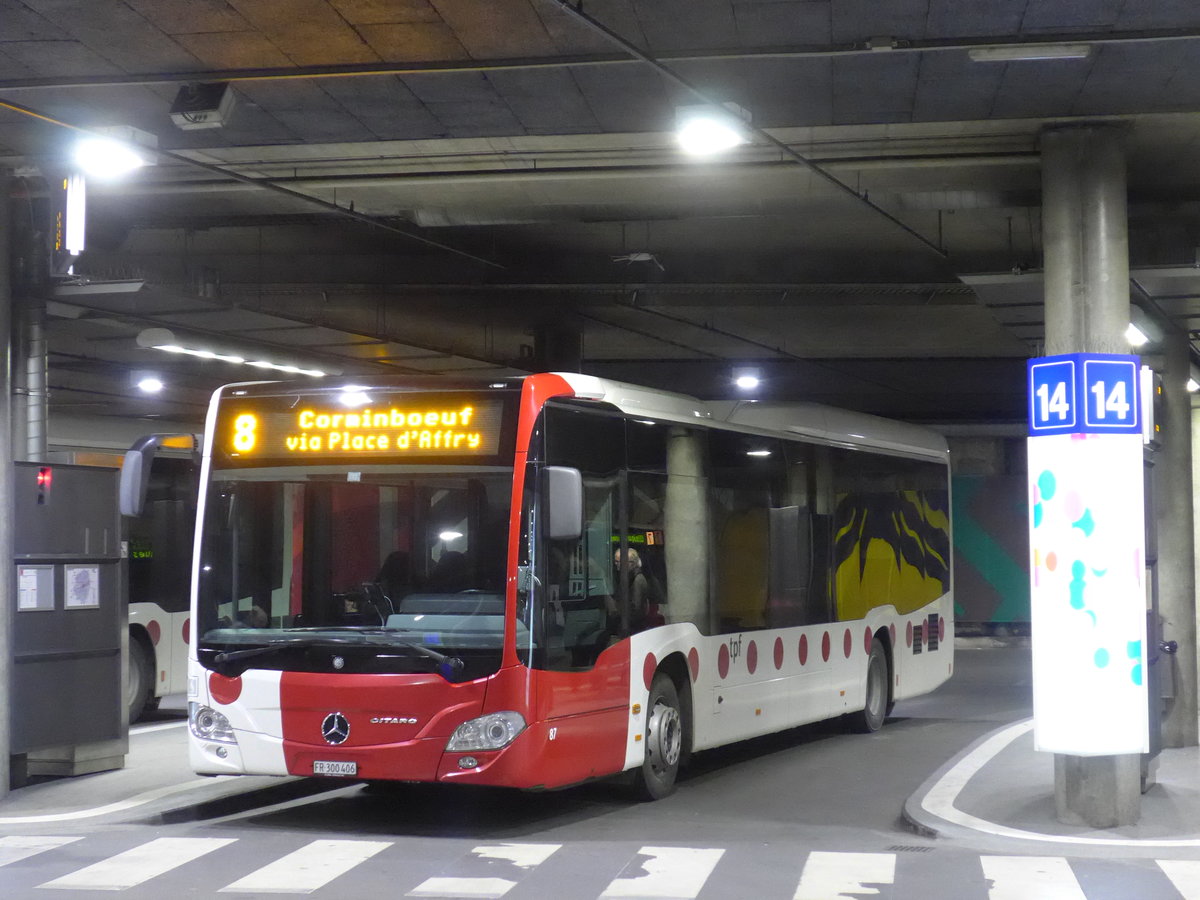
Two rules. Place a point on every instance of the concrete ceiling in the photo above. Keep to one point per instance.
(450, 186)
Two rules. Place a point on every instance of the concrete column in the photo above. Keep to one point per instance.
(1086, 250)
(1176, 559)
(557, 348)
(686, 521)
(8, 582)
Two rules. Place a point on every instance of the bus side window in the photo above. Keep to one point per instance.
(746, 473)
(647, 537)
(580, 614)
(800, 544)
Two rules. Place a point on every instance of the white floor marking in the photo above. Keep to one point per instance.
(164, 726)
(309, 868)
(941, 798)
(1184, 874)
(525, 856)
(118, 806)
(828, 876)
(1030, 878)
(671, 873)
(15, 848)
(138, 865)
(487, 888)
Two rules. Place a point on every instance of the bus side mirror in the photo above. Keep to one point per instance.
(562, 498)
(135, 478)
(135, 468)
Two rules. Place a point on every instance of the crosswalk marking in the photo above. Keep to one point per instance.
(1030, 878)
(828, 876)
(17, 847)
(1184, 875)
(139, 864)
(308, 868)
(491, 871)
(522, 856)
(670, 873)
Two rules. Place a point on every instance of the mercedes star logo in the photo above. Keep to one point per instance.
(335, 729)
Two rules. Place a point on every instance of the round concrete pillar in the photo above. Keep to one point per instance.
(1086, 252)
(1085, 240)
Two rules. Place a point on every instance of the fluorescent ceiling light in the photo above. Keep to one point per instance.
(706, 130)
(758, 452)
(163, 339)
(1021, 52)
(76, 215)
(150, 385)
(448, 536)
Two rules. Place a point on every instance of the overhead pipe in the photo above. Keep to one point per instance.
(445, 67)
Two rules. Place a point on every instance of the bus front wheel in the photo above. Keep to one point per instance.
(875, 710)
(664, 740)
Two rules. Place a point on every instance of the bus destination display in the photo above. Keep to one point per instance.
(417, 426)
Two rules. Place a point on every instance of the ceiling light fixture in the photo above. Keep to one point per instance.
(1142, 329)
(150, 385)
(164, 339)
(1023, 52)
(707, 129)
(746, 379)
(354, 395)
(114, 151)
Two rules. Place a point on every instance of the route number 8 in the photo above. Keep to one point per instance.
(245, 435)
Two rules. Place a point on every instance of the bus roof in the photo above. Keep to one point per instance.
(812, 420)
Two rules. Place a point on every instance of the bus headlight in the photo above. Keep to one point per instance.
(209, 725)
(490, 732)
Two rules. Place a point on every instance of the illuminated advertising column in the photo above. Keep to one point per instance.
(1087, 555)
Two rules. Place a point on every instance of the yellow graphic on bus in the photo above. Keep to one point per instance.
(890, 548)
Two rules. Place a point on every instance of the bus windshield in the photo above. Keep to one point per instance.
(387, 569)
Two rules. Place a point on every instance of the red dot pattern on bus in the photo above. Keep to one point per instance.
(224, 690)
(648, 669)
(154, 630)
(723, 658)
(694, 663)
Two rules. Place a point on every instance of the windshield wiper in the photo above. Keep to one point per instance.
(455, 664)
(452, 663)
(232, 655)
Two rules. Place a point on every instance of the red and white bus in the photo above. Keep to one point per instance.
(549, 579)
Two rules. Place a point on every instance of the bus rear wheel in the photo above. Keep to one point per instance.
(875, 710)
(139, 689)
(664, 740)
